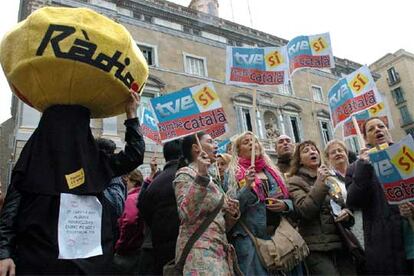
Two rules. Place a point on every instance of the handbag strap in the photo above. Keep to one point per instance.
(197, 234)
(253, 238)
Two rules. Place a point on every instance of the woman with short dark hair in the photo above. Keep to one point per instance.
(198, 194)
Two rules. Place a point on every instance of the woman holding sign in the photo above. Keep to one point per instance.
(383, 223)
(204, 210)
(264, 200)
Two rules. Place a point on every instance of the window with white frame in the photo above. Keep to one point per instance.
(326, 131)
(293, 126)
(317, 93)
(150, 53)
(392, 75)
(244, 119)
(285, 89)
(195, 65)
(352, 144)
(247, 120)
(405, 115)
(398, 95)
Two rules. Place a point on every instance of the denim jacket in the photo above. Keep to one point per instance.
(255, 217)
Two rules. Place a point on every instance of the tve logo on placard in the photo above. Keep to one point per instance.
(174, 106)
(149, 120)
(384, 167)
(339, 94)
(248, 58)
(299, 46)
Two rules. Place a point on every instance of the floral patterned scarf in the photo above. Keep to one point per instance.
(260, 165)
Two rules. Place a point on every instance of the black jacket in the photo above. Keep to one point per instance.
(382, 223)
(17, 202)
(159, 208)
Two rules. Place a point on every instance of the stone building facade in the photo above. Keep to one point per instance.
(185, 47)
(397, 84)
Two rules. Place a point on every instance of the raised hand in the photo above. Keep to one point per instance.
(203, 163)
(323, 173)
(250, 176)
(363, 154)
(132, 104)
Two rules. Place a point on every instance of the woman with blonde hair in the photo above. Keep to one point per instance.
(263, 198)
(223, 161)
(336, 155)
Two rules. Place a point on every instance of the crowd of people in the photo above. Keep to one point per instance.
(204, 213)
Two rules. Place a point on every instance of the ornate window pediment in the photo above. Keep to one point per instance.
(243, 98)
(154, 81)
(292, 107)
(323, 114)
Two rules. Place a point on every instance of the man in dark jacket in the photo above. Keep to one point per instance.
(29, 219)
(159, 208)
(382, 223)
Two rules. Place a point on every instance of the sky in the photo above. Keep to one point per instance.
(361, 30)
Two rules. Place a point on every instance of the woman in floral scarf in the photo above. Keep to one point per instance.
(263, 198)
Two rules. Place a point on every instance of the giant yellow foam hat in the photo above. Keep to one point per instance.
(72, 56)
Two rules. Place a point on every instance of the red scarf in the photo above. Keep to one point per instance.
(259, 166)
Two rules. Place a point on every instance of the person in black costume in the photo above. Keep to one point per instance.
(158, 206)
(61, 145)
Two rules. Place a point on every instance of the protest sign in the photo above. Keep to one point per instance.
(394, 168)
(351, 95)
(149, 126)
(313, 51)
(222, 146)
(188, 111)
(256, 66)
(217, 131)
(79, 226)
(380, 110)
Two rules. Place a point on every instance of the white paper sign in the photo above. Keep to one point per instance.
(79, 226)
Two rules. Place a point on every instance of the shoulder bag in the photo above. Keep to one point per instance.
(283, 251)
